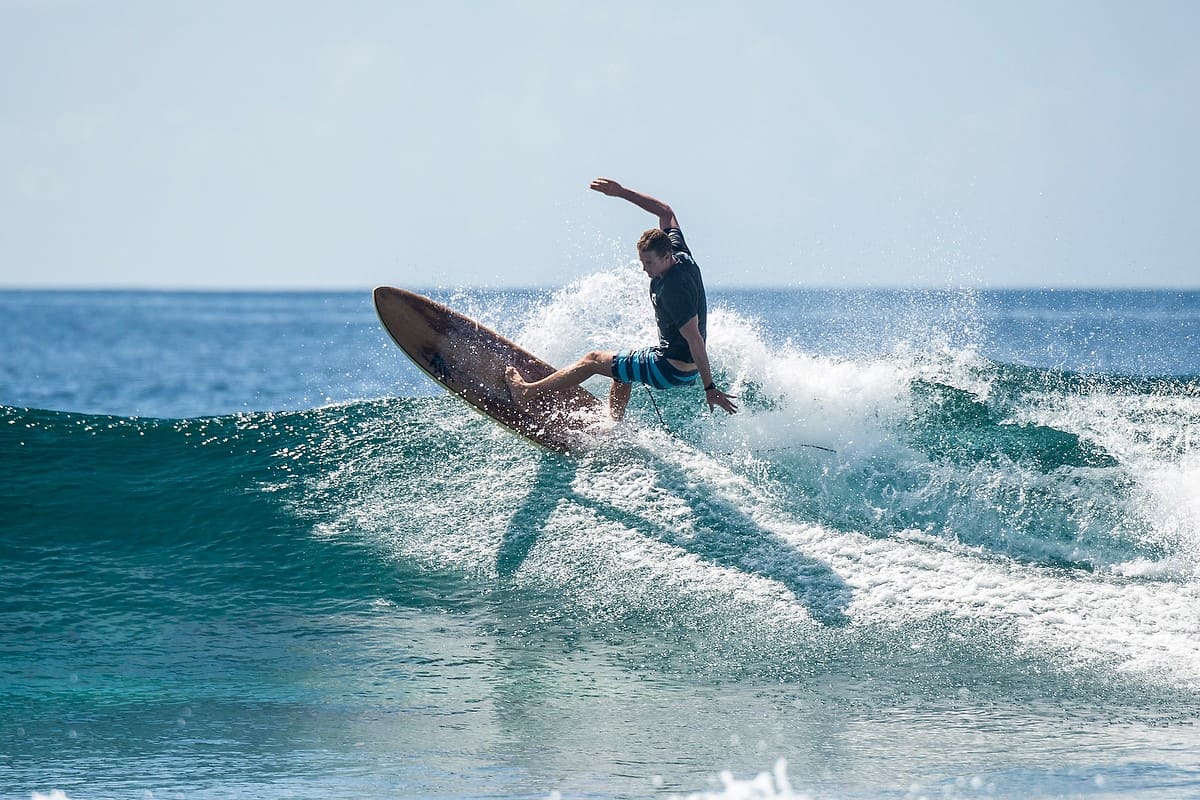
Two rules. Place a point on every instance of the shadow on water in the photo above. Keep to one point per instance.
(552, 484)
(721, 533)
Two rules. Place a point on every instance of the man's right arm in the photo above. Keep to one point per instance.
(666, 217)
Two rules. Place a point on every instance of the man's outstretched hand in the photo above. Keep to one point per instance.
(607, 186)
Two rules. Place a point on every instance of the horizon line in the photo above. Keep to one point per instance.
(201, 289)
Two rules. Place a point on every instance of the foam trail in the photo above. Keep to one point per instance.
(958, 492)
(1145, 628)
(661, 530)
(864, 409)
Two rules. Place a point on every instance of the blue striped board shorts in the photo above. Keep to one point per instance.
(648, 366)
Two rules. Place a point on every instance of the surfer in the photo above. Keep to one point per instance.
(680, 309)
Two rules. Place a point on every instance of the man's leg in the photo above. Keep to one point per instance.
(618, 398)
(596, 362)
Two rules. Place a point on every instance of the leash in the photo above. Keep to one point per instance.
(654, 403)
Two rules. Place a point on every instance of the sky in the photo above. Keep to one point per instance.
(303, 145)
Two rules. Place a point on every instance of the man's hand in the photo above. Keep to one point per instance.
(715, 397)
(690, 331)
(607, 186)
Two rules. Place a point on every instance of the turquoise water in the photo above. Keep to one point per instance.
(247, 550)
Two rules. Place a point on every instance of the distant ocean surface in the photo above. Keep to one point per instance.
(248, 550)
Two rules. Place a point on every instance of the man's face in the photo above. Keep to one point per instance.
(654, 264)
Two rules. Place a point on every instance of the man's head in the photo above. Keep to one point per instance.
(654, 250)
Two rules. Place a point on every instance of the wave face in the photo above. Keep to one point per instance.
(947, 523)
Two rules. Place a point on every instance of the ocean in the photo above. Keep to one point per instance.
(949, 548)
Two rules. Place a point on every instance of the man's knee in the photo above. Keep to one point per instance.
(599, 361)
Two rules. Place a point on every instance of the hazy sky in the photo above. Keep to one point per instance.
(309, 144)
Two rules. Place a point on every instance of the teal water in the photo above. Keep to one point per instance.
(247, 551)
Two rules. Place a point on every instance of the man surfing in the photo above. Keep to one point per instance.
(680, 309)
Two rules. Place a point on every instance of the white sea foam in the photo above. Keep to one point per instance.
(669, 532)
(602, 311)
(831, 399)
(773, 785)
(877, 535)
(1157, 440)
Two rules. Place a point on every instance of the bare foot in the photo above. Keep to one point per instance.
(516, 385)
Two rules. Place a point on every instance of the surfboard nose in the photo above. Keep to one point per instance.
(383, 293)
(389, 299)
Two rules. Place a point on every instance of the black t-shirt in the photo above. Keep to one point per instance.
(677, 296)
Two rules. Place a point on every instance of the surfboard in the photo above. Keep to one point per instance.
(469, 359)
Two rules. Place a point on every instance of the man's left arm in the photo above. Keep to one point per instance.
(712, 395)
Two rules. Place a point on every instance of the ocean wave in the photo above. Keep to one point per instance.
(925, 502)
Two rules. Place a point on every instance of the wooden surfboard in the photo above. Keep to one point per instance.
(469, 360)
